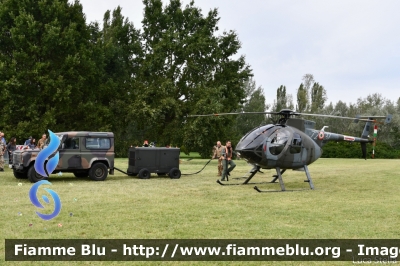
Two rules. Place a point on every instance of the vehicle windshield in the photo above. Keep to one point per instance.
(254, 138)
(60, 136)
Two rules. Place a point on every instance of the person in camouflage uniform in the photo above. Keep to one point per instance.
(42, 142)
(217, 155)
(226, 155)
(2, 148)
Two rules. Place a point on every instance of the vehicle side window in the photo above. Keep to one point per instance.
(71, 143)
(98, 143)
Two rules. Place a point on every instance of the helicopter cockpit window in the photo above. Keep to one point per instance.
(278, 141)
(254, 138)
(295, 147)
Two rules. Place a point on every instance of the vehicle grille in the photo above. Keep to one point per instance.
(132, 158)
(17, 158)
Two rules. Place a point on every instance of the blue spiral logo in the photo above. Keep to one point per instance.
(45, 153)
(35, 200)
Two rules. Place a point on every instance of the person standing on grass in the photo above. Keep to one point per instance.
(226, 157)
(217, 155)
(2, 149)
(11, 147)
(2, 139)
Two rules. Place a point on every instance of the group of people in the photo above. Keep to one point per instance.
(224, 155)
(11, 146)
(30, 143)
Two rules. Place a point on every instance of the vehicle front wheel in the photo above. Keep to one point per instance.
(98, 172)
(35, 177)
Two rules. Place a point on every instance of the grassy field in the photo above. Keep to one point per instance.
(353, 199)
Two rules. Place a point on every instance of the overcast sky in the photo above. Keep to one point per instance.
(352, 47)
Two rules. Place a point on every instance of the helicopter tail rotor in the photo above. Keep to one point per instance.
(371, 120)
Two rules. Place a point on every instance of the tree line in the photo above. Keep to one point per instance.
(60, 72)
(312, 98)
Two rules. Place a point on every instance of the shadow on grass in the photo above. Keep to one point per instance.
(87, 179)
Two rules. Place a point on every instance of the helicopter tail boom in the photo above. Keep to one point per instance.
(322, 137)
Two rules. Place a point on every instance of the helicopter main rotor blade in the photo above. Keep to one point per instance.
(334, 116)
(242, 113)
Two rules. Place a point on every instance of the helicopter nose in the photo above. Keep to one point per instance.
(251, 155)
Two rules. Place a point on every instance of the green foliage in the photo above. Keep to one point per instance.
(311, 96)
(283, 100)
(187, 69)
(302, 100)
(47, 72)
(120, 44)
(254, 102)
(58, 72)
(318, 97)
(353, 150)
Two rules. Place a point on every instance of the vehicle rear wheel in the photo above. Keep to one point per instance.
(20, 175)
(81, 174)
(175, 173)
(98, 172)
(35, 177)
(144, 173)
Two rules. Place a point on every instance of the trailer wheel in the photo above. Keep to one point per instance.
(98, 172)
(144, 173)
(33, 176)
(174, 173)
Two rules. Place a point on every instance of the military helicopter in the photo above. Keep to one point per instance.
(291, 143)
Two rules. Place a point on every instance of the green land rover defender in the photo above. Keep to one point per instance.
(80, 152)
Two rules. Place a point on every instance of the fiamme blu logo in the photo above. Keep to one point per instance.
(45, 169)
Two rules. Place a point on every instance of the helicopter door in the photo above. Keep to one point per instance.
(296, 148)
(276, 143)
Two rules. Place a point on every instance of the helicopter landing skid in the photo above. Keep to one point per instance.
(238, 184)
(279, 177)
(264, 191)
(251, 173)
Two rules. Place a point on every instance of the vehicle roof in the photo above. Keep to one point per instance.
(86, 134)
